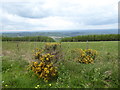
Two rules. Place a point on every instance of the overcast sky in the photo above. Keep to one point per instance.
(39, 15)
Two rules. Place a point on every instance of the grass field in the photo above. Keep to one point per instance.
(16, 57)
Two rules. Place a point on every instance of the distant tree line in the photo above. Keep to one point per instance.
(103, 37)
(29, 38)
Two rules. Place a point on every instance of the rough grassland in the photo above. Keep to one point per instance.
(102, 74)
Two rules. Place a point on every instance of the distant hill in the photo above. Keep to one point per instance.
(60, 34)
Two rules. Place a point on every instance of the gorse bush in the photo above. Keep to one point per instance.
(40, 56)
(44, 67)
(50, 47)
(45, 64)
(45, 70)
(37, 53)
(84, 56)
(54, 49)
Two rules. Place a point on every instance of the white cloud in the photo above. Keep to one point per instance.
(58, 14)
(4, 1)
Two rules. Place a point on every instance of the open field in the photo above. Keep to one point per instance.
(16, 57)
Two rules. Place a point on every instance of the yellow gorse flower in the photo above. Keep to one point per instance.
(44, 67)
(47, 58)
(85, 56)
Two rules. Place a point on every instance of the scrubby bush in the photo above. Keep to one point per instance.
(84, 56)
(50, 47)
(45, 65)
(54, 49)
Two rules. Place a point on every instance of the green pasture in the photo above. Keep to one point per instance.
(16, 57)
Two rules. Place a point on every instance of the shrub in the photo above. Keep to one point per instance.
(46, 59)
(44, 70)
(54, 49)
(51, 47)
(84, 56)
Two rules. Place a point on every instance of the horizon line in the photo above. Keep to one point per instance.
(56, 30)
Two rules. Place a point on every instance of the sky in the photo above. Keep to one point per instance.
(54, 15)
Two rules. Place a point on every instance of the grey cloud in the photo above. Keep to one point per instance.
(7, 24)
(26, 10)
(68, 11)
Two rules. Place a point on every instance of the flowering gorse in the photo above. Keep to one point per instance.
(44, 65)
(52, 47)
(44, 70)
(85, 56)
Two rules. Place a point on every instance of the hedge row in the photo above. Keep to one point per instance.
(105, 37)
(35, 38)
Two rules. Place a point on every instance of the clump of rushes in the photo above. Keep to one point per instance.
(45, 66)
(85, 56)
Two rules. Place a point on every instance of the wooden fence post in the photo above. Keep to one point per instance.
(87, 45)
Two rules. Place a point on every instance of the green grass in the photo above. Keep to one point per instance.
(102, 74)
